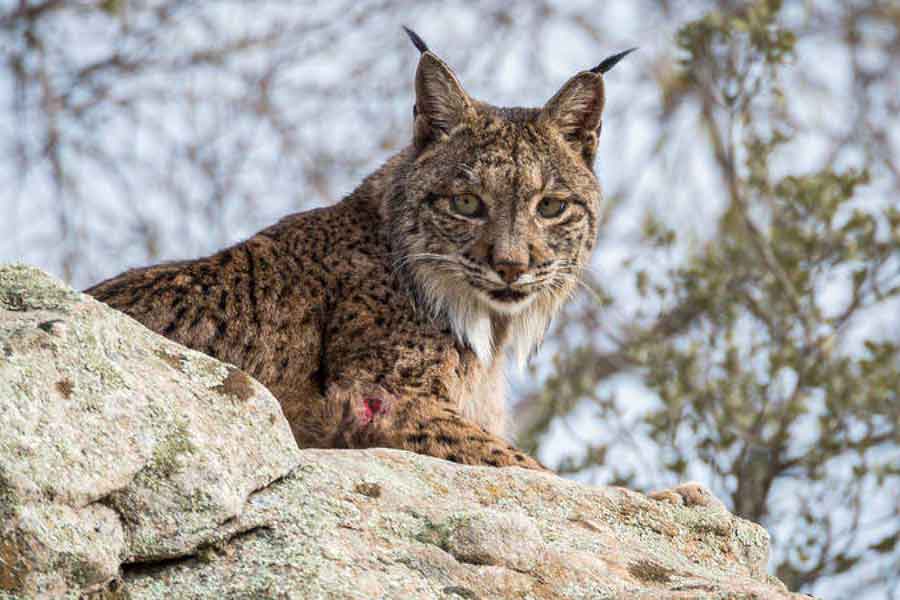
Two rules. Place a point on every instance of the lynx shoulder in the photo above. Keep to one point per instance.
(384, 320)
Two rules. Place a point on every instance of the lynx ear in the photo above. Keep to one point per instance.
(575, 109)
(575, 113)
(441, 102)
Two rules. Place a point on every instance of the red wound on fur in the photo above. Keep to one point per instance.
(373, 407)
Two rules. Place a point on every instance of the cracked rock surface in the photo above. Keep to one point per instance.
(435, 529)
(116, 445)
(129, 468)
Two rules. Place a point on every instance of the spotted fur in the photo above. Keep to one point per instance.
(383, 320)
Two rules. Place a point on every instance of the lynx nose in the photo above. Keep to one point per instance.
(510, 271)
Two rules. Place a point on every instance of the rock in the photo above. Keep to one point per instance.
(116, 445)
(440, 530)
(491, 537)
(133, 468)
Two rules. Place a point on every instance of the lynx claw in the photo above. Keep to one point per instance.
(688, 494)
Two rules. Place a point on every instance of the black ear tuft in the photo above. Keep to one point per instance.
(610, 62)
(418, 42)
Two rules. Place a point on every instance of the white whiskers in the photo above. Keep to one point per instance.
(445, 287)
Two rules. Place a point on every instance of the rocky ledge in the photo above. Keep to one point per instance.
(131, 467)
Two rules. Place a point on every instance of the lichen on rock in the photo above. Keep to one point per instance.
(107, 456)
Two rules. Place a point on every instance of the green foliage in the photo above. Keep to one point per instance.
(756, 27)
(761, 370)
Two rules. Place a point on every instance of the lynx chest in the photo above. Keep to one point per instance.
(483, 399)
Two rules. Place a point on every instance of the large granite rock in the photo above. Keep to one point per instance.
(116, 445)
(133, 468)
(390, 524)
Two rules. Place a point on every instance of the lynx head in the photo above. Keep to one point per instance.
(495, 213)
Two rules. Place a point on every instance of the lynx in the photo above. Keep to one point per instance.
(384, 320)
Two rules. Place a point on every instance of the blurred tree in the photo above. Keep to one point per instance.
(739, 327)
(143, 129)
(771, 347)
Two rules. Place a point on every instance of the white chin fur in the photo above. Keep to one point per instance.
(473, 328)
(469, 313)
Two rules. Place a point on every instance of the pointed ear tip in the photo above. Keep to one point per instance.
(429, 57)
(417, 41)
(431, 61)
(611, 61)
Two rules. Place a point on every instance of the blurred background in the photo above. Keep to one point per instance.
(739, 324)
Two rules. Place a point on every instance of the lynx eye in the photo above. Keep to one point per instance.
(467, 205)
(550, 208)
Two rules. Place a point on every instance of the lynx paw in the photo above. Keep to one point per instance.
(688, 494)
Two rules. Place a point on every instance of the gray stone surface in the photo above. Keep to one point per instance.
(116, 445)
(390, 524)
(133, 468)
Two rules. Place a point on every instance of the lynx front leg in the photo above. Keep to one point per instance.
(373, 417)
(445, 434)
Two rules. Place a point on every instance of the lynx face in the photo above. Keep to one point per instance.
(497, 212)
(508, 215)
